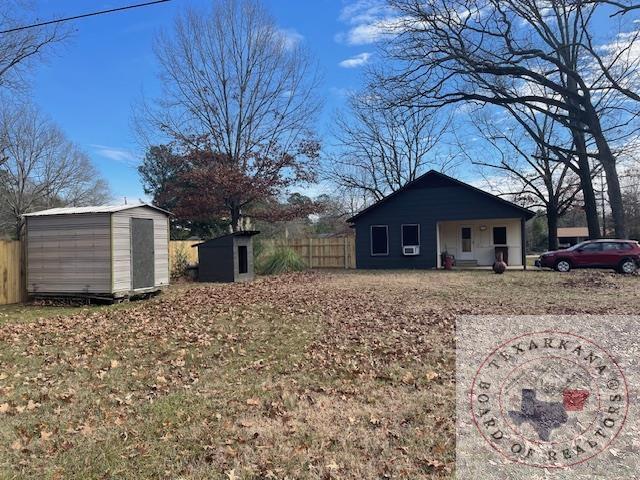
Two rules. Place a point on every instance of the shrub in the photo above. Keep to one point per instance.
(179, 263)
(281, 260)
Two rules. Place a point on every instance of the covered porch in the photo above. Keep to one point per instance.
(475, 243)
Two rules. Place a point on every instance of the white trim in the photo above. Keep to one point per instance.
(402, 234)
(386, 227)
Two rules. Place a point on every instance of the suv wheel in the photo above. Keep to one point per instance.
(628, 266)
(563, 266)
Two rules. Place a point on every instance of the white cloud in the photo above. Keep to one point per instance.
(291, 37)
(356, 61)
(369, 21)
(115, 154)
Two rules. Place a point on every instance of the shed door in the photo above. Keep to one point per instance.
(142, 253)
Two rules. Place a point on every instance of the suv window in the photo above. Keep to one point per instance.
(591, 247)
(609, 246)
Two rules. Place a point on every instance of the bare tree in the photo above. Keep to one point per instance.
(526, 171)
(383, 147)
(42, 168)
(236, 87)
(503, 52)
(20, 49)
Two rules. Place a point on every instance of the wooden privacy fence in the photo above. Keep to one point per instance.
(332, 252)
(12, 287)
(183, 247)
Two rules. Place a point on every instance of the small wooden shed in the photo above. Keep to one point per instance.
(228, 258)
(101, 252)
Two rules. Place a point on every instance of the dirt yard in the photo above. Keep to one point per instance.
(306, 376)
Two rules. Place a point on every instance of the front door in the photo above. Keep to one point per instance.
(142, 253)
(466, 243)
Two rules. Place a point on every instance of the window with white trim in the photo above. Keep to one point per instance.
(379, 240)
(410, 235)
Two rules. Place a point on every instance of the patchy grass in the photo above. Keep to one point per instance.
(314, 376)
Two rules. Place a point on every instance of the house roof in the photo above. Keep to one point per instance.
(241, 233)
(94, 209)
(573, 232)
(432, 173)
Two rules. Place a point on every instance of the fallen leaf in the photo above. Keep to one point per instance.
(86, 430)
(431, 375)
(4, 408)
(253, 402)
(231, 475)
(332, 466)
(408, 378)
(44, 435)
(115, 364)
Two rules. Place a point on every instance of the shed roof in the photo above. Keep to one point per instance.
(573, 232)
(94, 209)
(241, 233)
(432, 173)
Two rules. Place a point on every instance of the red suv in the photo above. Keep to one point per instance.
(621, 255)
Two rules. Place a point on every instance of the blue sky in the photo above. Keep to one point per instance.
(89, 86)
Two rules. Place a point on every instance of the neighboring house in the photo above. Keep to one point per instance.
(413, 226)
(569, 236)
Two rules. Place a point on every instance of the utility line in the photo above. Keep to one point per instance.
(92, 14)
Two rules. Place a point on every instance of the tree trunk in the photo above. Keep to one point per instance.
(576, 121)
(608, 161)
(590, 202)
(235, 218)
(19, 228)
(552, 226)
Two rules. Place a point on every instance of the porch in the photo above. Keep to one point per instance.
(475, 243)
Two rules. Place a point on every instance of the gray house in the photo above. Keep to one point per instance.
(228, 258)
(436, 214)
(102, 252)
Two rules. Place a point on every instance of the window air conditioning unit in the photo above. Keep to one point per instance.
(410, 251)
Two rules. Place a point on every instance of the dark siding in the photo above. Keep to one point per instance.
(218, 259)
(425, 204)
(215, 264)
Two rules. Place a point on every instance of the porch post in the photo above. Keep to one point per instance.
(438, 260)
(523, 241)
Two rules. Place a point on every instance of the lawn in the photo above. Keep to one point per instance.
(344, 375)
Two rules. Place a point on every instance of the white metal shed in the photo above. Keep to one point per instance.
(107, 251)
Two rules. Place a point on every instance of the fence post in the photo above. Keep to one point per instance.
(310, 252)
(344, 245)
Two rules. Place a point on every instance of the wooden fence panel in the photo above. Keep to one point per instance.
(12, 286)
(186, 247)
(333, 252)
